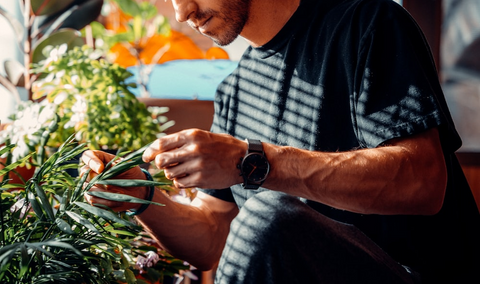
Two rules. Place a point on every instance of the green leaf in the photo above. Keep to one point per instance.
(77, 193)
(123, 233)
(61, 263)
(130, 276)
(35, 205)
(104, 214)
(14, 165)
(131, 182)
(129, 7)
(82, 221)
(25, 261)
(59, 244)
(65, 200)
(49, 7)
(44, 200)
(7, 252)
(121, 197)
(6, 149)
(70, 37)
(64, 226)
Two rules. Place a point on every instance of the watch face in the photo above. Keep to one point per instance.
(255, 167)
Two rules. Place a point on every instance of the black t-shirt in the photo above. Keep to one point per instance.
(345, 75)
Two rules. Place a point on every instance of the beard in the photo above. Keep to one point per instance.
(233, 17)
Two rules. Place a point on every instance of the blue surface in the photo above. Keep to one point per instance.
(186, 79)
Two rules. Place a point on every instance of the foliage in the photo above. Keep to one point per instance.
(139, 22)
(50, 235)
(93, 100)
(45, 22)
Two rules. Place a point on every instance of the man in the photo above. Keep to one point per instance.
(349, 174)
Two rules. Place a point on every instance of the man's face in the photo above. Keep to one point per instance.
(222, 25)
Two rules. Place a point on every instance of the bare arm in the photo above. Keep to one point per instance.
(195, 233)
(405, 176)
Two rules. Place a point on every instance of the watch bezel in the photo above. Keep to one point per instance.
(266, 169)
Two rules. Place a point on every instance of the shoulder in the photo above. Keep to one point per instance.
(371, 14)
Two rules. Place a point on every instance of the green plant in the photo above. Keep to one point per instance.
(94, 101)
(139, 22)
(45, 22)
(50, 235)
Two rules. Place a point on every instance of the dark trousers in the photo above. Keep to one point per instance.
(278, 239)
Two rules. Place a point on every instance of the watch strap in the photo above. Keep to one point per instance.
(254, 146)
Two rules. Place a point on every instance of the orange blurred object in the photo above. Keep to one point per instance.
(216, 53)
(179, 46)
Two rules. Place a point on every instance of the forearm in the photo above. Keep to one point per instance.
(403, 178)
(193, 233)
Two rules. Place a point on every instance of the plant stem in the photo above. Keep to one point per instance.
(27, 47)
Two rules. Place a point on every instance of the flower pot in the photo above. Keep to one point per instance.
(24, 172)
(185, 113)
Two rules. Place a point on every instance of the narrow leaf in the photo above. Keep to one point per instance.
(123, 233)
(44, 200)
(14, 165)
(64, 226)
(6, 149)
(82, 221)
(131, 182)
(58, 244)
(7, 252)
(121, 197)
(25, 261)
(104, 214)
(35, 205)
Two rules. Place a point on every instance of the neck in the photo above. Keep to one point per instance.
(267, 18)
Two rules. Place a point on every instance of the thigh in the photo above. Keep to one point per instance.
(276, 238)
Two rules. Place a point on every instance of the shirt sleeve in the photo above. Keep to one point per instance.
(398, 93)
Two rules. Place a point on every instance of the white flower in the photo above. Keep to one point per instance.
(60, 74)
(75, 79)
(79, 110)
(47, 113)
(20, 151)
(21, 204)
(151, 258)
(60, 97)
(29, 120)
(57, 52)
(54, 54)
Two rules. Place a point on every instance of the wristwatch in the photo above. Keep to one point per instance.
(254, 166)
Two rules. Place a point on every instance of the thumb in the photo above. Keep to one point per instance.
(96, 160)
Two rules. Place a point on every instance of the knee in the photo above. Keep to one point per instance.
(267, 213)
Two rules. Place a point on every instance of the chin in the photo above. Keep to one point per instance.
(224, 40)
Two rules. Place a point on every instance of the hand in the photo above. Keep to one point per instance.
(96, 160)
(197, 158)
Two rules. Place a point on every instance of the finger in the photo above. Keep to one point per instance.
(93, 200)
(93, 161)
(96, 201)
(175, 172)
(164, 144)
(171, 159)
(86, 169)
(184, 181)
